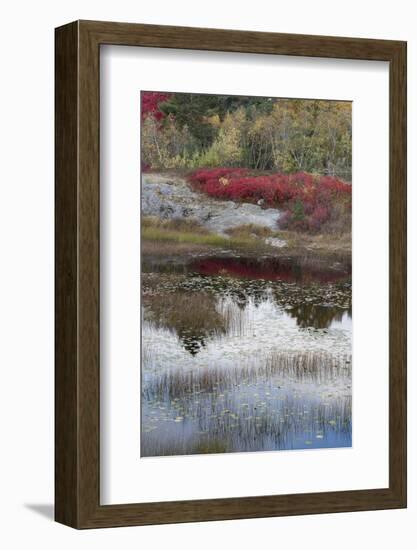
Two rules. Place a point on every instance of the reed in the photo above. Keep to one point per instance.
(306, 367)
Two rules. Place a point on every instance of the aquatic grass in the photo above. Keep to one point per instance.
(306, 367)
(253, 415)
(293, 424)
(236, 319)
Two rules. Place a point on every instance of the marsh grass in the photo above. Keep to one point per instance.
(182, 235)
(295, 426)
(237, 320)
(188, 231)
(250, 230)
(179, 236)
(288, 401)
(321, 245)
(165, 249)
(169, 235)
(317, 368)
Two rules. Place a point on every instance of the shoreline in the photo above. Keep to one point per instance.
(165, 231)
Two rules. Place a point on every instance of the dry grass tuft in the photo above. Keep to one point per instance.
(250, 230)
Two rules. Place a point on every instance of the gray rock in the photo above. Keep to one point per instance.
(173, 198)
(277, 243)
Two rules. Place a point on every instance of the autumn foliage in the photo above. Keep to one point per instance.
(150, 104)
(310, 202)
(191, 131)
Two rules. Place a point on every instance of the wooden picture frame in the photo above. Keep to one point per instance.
(77, 382)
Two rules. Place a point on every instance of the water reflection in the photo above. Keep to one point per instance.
(245, 355)
(201, 317)
(316, 316)
(196, 318)
(286, 402)
(302, 270)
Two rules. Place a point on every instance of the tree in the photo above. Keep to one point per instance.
(284, 135)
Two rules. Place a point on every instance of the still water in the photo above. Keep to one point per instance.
(245, 354)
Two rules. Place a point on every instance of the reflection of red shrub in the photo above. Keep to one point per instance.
(271, 269)
(308, 201)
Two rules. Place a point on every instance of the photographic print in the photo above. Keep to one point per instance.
(246, 288)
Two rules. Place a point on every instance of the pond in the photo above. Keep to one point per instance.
(245, 354)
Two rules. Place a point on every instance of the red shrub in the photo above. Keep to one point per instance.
(204, 175)
(308, 201)
(150, 104)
